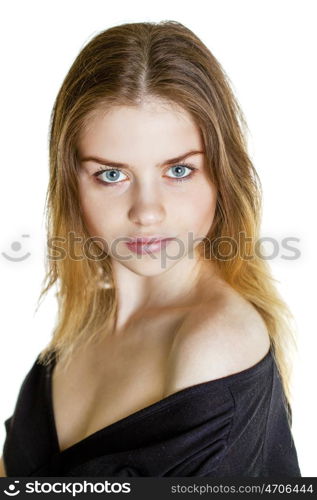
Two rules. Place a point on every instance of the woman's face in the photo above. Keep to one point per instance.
(145, 196)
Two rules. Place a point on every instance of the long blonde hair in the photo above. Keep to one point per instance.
(122, 66)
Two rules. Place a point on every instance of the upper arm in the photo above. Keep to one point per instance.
(2, 469)
(212, 344)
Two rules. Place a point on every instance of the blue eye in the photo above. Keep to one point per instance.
(181, 167)
(113, 174)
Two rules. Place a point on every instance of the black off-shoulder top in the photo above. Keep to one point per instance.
(229, 427)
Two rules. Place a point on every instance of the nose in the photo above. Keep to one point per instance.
(147, 207)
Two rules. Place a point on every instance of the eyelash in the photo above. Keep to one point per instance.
(174, 179)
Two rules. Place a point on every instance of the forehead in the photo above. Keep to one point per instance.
(152, 126)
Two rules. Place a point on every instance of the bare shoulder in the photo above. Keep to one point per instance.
(217, 338)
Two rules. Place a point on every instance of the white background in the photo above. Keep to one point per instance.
(268, 50)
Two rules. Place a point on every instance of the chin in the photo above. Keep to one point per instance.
(148, 269)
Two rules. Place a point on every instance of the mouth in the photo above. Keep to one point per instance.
(146, 245)
(148, 239)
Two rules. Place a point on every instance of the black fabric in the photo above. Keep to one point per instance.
(229, 427)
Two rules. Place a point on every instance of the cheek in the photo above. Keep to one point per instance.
(100, 215)
(199, 208)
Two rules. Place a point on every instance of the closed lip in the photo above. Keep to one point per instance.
(149, 239)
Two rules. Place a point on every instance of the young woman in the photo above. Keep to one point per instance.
(171, 353)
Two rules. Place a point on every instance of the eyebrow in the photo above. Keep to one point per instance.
(104, 161)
